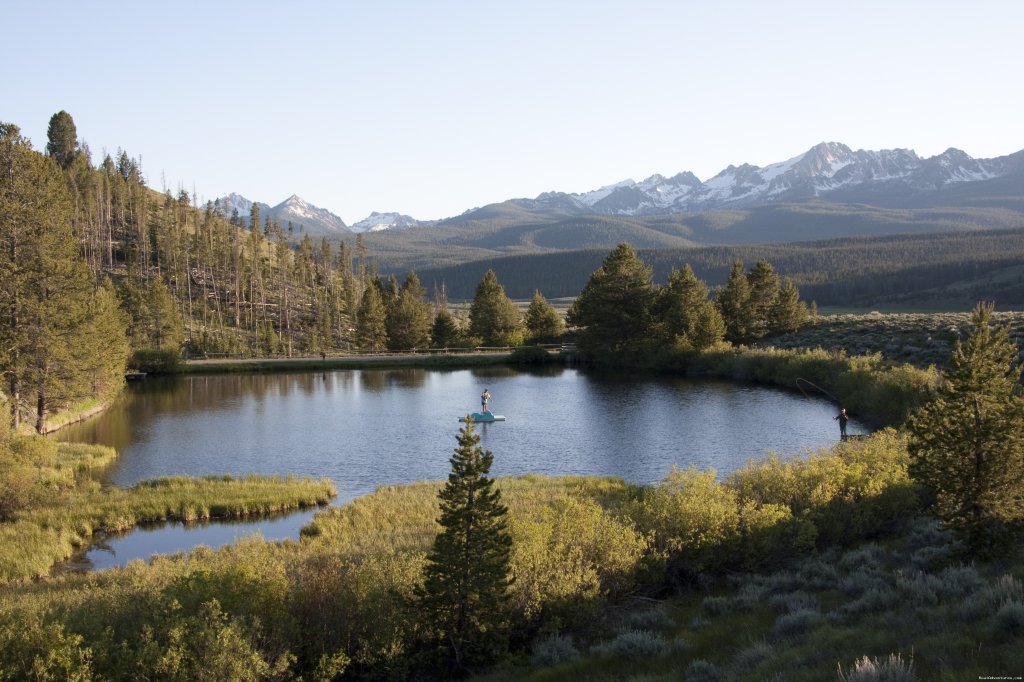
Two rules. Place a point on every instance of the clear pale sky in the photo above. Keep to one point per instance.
(431, 108)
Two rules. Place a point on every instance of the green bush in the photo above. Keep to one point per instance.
(634, 644)
(154, 361)
(531, 355)
(692, 518)
(700, 670)
(1009, 619)
(33, 649)
(554, 649)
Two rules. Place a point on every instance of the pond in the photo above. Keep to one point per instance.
(365, 428)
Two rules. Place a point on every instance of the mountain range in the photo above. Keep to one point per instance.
(830, 171)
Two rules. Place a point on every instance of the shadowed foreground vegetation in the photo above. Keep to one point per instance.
(593, 561)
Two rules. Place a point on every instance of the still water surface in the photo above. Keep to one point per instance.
(365, 428)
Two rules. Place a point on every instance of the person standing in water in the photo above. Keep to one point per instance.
(843, 419)
(485, 398)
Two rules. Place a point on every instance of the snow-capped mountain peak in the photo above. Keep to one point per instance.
(378, 222)
(304, 216)
(824, 168)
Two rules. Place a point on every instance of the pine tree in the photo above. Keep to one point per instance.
(445, 331)
(733, 301)
(708, 326)
(464, 600)
(408, 319)
(62, 139)
(764, 292)
(48, 304)
(967, 445)
(677, 305)
(543, 323)
(492, 316)
(371, 322)
(613, 312)
(788, 313)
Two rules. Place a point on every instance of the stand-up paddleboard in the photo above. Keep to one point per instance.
(478, 417)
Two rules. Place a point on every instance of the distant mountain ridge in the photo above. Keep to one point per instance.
(829, 171)
(304, 217)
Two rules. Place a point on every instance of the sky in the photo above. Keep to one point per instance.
(431, 108)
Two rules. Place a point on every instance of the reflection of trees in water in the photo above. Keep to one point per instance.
(379, 380)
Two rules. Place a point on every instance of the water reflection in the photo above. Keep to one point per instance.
(364, 428)
(107, 551)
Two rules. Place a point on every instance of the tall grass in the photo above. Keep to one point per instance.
(870, 386)
(61, 506)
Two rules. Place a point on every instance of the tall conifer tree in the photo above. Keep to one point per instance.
(492, 316)
(62, 139)
(542, 320)
(967, 445)
(371, 321)
(464, 600)
(733, 301)
(613, 311)
(49, 352)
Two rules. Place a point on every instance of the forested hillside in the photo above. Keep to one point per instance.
(507, 229)
(928, 270)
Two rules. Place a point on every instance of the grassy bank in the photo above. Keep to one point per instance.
(383, 361)
(877, 390)
(52, 505)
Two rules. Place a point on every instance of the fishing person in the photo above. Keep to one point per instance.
(843, 420)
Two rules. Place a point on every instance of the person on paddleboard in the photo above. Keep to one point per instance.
(485, 398)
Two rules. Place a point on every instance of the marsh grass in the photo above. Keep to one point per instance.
(75, 506)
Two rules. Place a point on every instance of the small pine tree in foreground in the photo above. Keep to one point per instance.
(464, 601)
(967, 445)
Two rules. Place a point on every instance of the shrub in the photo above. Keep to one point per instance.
(866, 557)
(818, 575)
(531, 355)
(919, 588)
(892, 669)
(656, 618)
(959, 581)
(792, 602)
(873, 600)
(860, 582)
(692, 518)
(569, 557)
(554, 649)
(154, 361)
(700, 670)
(634, 644)
(748, 596)
(718, 606)
(984, 602)
(797, 623)
(1009, 619)
(31, 648)
(748, 658)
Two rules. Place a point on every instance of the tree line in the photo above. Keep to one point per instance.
(857, 271)
(104, 266)
(620, 311)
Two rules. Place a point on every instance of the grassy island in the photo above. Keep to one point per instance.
(51, 504)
